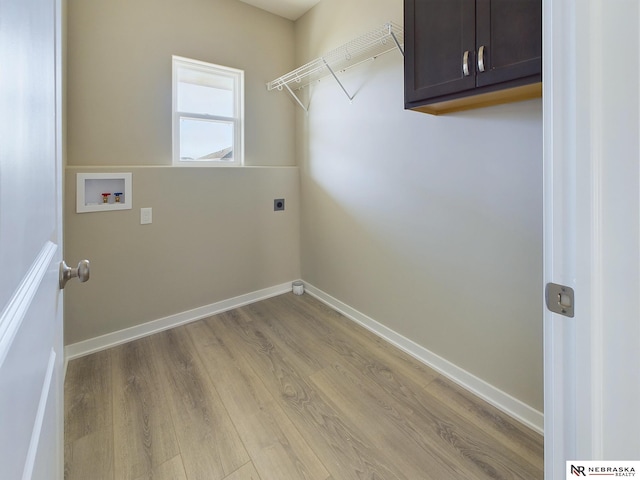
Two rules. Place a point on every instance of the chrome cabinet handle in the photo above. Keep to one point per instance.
(481, 59)
(67, 273)
(465, 63)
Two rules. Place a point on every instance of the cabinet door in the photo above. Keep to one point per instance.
(511, 33)
(437, 34)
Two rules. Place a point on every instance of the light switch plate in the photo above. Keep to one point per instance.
(146, 215)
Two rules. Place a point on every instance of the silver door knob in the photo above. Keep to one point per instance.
(67, 273)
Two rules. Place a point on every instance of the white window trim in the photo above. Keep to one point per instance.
(238, 120)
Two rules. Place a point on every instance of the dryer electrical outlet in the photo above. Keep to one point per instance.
(278, 204)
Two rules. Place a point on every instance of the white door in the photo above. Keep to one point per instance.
(592, 230)
(31, 355)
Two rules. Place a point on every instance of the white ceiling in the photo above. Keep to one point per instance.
(291, 9)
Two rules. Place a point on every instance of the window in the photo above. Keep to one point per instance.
(208, 110)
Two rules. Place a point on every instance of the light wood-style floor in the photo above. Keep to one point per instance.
(283, 389)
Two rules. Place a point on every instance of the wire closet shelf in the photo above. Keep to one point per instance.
(368, 46)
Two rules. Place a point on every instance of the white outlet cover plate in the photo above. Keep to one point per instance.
(146, 215)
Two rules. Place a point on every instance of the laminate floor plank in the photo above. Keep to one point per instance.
(340, 340)
(90, 456)
(209, 443)
(330, 344)
(246, 472)
(344, 450)
(172, 469)
(464, 449)
(465, 443)
(328, 325)
(516, 436)
(144, 437)
(359, 376)
(273, 442)
(282, 389)
(410, 447)
(278, 319)
(87, 404)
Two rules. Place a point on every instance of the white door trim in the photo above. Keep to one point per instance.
(558, 131)
(40, 417)
(12, 316)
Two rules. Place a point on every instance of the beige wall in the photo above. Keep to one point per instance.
(119, 76)
(430, 225)
(214, 234)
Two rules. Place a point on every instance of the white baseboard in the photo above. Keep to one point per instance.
(505, 402)
(496, 397)
(109, 340)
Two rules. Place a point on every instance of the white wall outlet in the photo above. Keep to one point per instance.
(146, 215)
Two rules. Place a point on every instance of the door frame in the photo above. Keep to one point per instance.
(591, 127)
(559, 197)
(60, 46)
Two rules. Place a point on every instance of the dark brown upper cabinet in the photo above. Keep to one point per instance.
(462, 54)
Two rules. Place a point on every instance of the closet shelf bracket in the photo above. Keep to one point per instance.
(295, 97)
(350, 97)
(366, 47)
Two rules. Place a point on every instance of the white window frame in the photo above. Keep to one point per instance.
(237, 120)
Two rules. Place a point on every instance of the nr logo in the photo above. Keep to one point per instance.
(578, 471)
